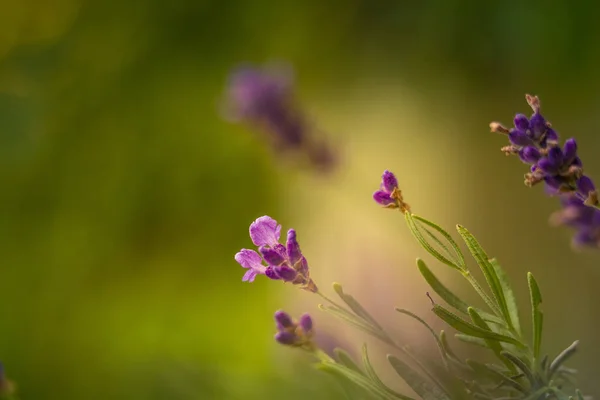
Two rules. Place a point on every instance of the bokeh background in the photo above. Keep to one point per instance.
(125, 194)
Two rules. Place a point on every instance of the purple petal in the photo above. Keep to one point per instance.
(555, 155)
(271, 256)
(530, 155)
(551, 135)
(286, 273)
(546, 165)
(271, 274)
(553, 185)
(521, 122)
(283, 320)
(585, 185)
(382, 198)
(520, 138)
(285, 338)
(586, 237)
(389, 181)
(537, 124)
(249, 276)
(293, 248)
(570, 150)
(306, 323)
(265, 232)
(249, 259)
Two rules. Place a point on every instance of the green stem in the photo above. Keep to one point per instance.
(321, 355)
(327, 299)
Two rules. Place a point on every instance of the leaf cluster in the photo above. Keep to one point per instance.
(520, 371)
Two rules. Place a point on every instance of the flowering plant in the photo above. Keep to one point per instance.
(521, 370)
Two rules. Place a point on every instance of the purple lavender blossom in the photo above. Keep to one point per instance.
(276, 261)
(561, 170)
(294, 333)
(265, 98)
(389, 194)
(537, 144)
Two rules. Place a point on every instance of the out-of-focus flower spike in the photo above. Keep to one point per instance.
(295, 333)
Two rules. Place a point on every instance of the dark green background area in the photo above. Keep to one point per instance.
(124, 194)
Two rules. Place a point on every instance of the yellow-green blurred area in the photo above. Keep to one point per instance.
(125, 194)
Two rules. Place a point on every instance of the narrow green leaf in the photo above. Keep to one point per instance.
(561, 358)
(440, 289)
(537, 315)
(354, 321)
(373, 375)
(446, 345)
(471, 340)
(560, 395)
(457, 256)
(509, 295)
(468, 328)
(359, 380)
(345, 359)
(493, 345)
(493, 374)
(520, 364)
(425, 389)
(538, 394)
(414, 229)
(488, 271)
(426, 325)
(579, 394)
(355, 305)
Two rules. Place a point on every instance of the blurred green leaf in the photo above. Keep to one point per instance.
(511, 300)
(355, 306)
(425, 389)
(468, 328)
(345, 359)
(537, 316)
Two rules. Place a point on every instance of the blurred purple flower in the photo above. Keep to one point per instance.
(561, 170)
(264, 98)
(275, 260)
(583, 219)
(389, 194)
(294, 333)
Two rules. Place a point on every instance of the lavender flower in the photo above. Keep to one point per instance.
(294, 333)
(561, 170)
(265, 98)
(537, 144)
(389, 194)
(275, 260)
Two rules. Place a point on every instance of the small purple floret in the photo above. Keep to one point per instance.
(283, 320)
(294, 333)
(383, 198)
(306, 323)
(265, 232)
(389, 181)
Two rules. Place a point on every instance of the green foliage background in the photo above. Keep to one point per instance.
(125, 195)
